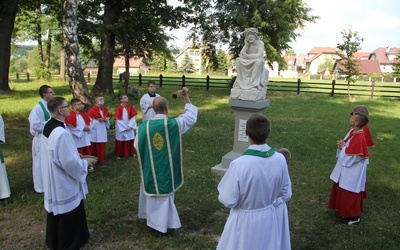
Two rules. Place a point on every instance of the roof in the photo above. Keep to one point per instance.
(290, 59)
(317, 51)
(382, 54)
(361, 55)
(134, 62)
(92, 63)
(366, 67)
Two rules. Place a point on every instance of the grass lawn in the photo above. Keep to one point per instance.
(309, 125)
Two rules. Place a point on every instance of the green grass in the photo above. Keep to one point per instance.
(309, 125)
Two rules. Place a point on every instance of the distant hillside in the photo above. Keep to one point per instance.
(21, 50)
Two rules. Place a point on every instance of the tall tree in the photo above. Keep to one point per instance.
(143, 21)
(396, 66)
(223, 21)
(187, 65)
(70, 39)
(8, 11)
(348, 65)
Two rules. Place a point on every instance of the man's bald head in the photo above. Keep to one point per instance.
(160, 105)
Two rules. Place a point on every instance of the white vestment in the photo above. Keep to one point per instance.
(256, 189)
(350, 170)
(37, 122)
(64, 172)
(121, 134)
(161, 212)
(145, 102)
(80, 136)
(99, 130)
(4, 185)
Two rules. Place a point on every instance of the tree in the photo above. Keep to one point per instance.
(327, 63)
(347, 64)
(70, 39)
(223, 21)
(396, 66)
(8, 11)
(187, 65)
(222, 62)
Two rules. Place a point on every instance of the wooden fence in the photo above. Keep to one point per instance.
(332, 88)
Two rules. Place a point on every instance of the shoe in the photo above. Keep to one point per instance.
(90, 169)
(159, 234)
(354, 221)
(117, 157)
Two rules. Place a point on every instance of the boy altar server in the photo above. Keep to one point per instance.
(250, 188)
(64, 182)
(78, 124)
(146, 102)
(99, 123)
(125, 127)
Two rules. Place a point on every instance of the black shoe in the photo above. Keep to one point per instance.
(159, 234)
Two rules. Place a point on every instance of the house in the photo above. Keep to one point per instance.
(91, 67)
(194, 55)
(386, 57)
(361, 55)
(136, 65)
(316, 56)
(366, 67)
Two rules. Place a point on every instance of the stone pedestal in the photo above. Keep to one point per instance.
(243, 110)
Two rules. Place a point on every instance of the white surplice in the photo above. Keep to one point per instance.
(145, 102)
(4, 185)
(121, 132)
(161, 212)
(64, 172)
(37, 122)
(80, 136)
(256, 189)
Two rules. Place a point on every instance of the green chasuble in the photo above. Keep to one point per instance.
(160, 156)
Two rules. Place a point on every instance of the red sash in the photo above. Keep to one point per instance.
(358, 145)
(94, 112)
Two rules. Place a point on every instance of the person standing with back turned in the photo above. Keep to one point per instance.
(159, 148)
(37, 119)
(250, 187)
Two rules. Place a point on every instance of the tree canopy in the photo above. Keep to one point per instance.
(223, 21)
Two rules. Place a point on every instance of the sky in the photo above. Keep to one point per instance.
(377, 21)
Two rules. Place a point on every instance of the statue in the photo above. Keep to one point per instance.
(252, 76)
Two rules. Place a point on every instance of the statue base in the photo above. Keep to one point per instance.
(248, 94)
(243, 110)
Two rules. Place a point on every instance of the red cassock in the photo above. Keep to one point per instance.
(124, 148)
(350, 204)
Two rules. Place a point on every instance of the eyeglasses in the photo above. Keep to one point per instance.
(50, 92)
(66, 106)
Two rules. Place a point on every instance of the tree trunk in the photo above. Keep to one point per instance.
(62, 65)
(8, 11)
(71, 45)
(48, 51)
(39, 38)
(112, 13)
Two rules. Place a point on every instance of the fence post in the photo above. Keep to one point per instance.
(372, 89)
(298, 86)
(18, 76)
(333, 88)
(183, 81)
(140, 79)
(27, 76)
(88, 77)
(161, 79)
(207, 82)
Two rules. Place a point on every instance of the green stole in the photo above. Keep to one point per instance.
(46, 113)
(1, 156)
(263, 154)
(160, 156)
